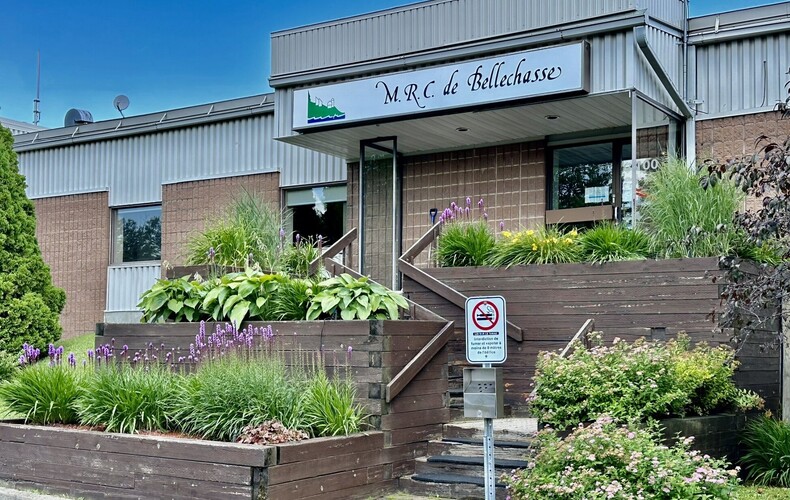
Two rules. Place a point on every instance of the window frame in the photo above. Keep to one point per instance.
(114, 219)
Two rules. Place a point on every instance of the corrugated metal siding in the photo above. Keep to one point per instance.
(672, 12)
(669, 51)
(609, 68)
(742, 75)
(126, 283)
(423, 27)
(134, 168)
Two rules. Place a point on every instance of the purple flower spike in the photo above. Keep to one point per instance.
(468, 201)
(466, 211)
(211, 254)
(282, 233)
(298, 238)
(480, 204)
(485, 215)
(501, 225)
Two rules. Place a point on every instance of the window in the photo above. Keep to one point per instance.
(584, 182)
(317, 211)
(137, 234)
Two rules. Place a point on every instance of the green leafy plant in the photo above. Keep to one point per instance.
(329, 408)
(241, 296)
(292, 299)
(125, 399)
(542, 246)
(767, 457)
(464, 243)
(247, 232)
(607, 460)
(348, 298)
(8, 365)
(686, 220)
(228, 394)
(173, 300)
(29, 303)
(44, 394)
(639, 380)
(609, 242)
(296, 258)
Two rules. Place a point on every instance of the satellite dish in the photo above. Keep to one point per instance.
(120, 103)
(77, 117)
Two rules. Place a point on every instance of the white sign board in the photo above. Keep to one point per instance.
(547, 71)
(596, 194)
(486, 330)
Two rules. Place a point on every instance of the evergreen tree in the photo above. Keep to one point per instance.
(29, 304)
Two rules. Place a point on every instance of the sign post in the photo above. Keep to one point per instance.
(486, 343)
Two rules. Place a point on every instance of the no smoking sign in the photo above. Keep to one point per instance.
(486, 334)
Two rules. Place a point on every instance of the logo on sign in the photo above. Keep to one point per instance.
(318, 112)
(485, 315)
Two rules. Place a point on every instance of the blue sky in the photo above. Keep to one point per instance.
(161, 53)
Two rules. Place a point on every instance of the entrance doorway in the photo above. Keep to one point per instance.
(380, 210)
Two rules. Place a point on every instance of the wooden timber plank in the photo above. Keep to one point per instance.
(338, 463)
(125, 444)
(332, 446)
(419, 418)
(407, 435)
(327, 483)
(368, 491)
(418, 402)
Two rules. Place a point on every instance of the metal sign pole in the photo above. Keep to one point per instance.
(488, 455)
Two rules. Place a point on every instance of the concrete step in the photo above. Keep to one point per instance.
(448, 486)
(505, 429)
(461, 465)
(474, 448)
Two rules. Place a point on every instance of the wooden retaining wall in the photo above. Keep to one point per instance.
(90, 464)
(626, 299)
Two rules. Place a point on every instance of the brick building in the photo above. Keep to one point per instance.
(551, 111)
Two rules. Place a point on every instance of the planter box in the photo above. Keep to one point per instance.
(100, 465)
(714, 435)
(550, 302)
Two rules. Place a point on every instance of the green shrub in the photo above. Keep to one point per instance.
(686, 220)
(544, 246)
(44, 394)
(125, 399)
(178, 299)
(344, 297)
(296, 258)
(8, 365)
(464, 244)
(238, 297)
(609, 242)
(247, 232)
(230, 393)
(636, 381)
(29, 303)
(767, 457)
(329, 407)
(605, 460)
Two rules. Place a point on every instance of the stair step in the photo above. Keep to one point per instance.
(452, 479)
(507, 463)
(475, 449)
(526, 444)
(431, 486)
(505, 429)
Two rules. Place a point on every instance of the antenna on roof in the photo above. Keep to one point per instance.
(37, 100)
(120, 103)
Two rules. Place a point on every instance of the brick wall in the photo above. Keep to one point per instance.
(74, 235)
(728, 138)
(187, 205)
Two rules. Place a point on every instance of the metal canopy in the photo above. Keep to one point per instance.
(478, 128)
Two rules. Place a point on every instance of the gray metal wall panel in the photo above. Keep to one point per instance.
(126, 283)
(134, 168)
(423, 27)
(742, 75)
(669, 51)
(672, 12)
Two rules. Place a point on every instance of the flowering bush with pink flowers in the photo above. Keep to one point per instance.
(639, 380)
(609, 461)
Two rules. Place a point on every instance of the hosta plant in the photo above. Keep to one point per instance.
(238, 297)
(175, 300)
(348, 298)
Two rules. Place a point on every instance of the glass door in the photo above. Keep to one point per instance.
(380, 211)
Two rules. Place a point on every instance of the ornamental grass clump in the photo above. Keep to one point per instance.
(465, 241)
(637, 381)
(121, 398)
(609, 242)
(329, 408)
(44, 394)
(547, 245)
(767, 457)
(605, 460)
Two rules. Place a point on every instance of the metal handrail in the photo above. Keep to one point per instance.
(586, 328)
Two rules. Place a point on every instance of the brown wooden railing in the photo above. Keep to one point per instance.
(583, 333)
(402, 379)
(407, 267)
